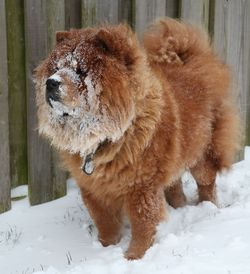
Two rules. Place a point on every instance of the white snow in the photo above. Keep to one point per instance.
(56, 77)
(59, 237)
(93, 92)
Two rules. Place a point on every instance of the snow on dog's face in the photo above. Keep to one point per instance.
(84, 90)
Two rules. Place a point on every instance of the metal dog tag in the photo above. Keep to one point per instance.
(88, 166)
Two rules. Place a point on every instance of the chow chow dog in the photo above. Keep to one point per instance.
(130, 117)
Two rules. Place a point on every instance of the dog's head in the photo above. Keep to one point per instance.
(86, 89)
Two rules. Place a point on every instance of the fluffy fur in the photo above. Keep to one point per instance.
(146, 113)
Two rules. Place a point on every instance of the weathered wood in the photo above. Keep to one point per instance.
(107, 11)
(17, 91)
(43, 176)
(55, 11)
(4, 120)
(88, 13)
(98, 12)
(56, 22)
(247, 139)
(72, 14)
(195, 12)
(172, 8)
(211, 18)
(137, 13)
(147, 11)
(39, 155)
(232, 44)
(126, 12)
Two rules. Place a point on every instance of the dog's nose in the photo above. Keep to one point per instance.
(52, 91)
(52, 84)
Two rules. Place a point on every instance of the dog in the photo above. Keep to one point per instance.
(130, 117)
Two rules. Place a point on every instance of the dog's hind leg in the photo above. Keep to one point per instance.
(220, 152)
(175, 195)
(205, 173)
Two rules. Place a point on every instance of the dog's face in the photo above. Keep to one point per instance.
(85, 94)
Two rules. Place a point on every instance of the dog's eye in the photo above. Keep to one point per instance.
(78, 71)
(56, 68)
(81, 72)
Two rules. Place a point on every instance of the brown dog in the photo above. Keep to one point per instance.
(130, 119)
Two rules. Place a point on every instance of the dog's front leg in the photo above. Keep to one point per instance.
(145, 209)
(106, 216)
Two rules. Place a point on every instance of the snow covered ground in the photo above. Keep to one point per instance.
(59, 237)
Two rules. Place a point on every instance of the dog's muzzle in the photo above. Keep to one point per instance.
(52, 91)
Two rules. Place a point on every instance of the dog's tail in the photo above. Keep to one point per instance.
(170, 42)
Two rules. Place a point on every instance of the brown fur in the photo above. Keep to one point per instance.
(170, 108)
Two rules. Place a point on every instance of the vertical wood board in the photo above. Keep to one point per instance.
(126, 12)
(146, 12)
(172, 8)
(17, 92)
(106, 12)
(56, 22)
(195, 12)
(232, 44)
(88, 13)
(46, 180)
(4, 121)
(55, 13)
(39, 151)
(99, 12)
(72, 14)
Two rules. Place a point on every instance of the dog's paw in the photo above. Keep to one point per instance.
(106, 241)
(135, 252)
(131, 255)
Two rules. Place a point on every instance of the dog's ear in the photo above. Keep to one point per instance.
(62, 36)
(118, 41)
(105, 40)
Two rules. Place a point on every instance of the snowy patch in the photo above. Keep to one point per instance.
(71, 74)
(93, 91)
(19, 191)
(56, 77)
(67, 61)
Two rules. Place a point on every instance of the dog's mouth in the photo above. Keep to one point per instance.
(58, 109)
(52, 104)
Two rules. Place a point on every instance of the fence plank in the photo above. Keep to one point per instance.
(107, 11)
(72, 14)
(147, 11)
(17, 91)
(42, 174)
(97, 12)
(55, 11)
(88, 13)
(39, 156)
(126, 12)
(172, 8)
(195, 12)
(4, 125)
(232, 43)
(55, 22)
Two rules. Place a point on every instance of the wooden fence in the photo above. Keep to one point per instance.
(27, 34)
